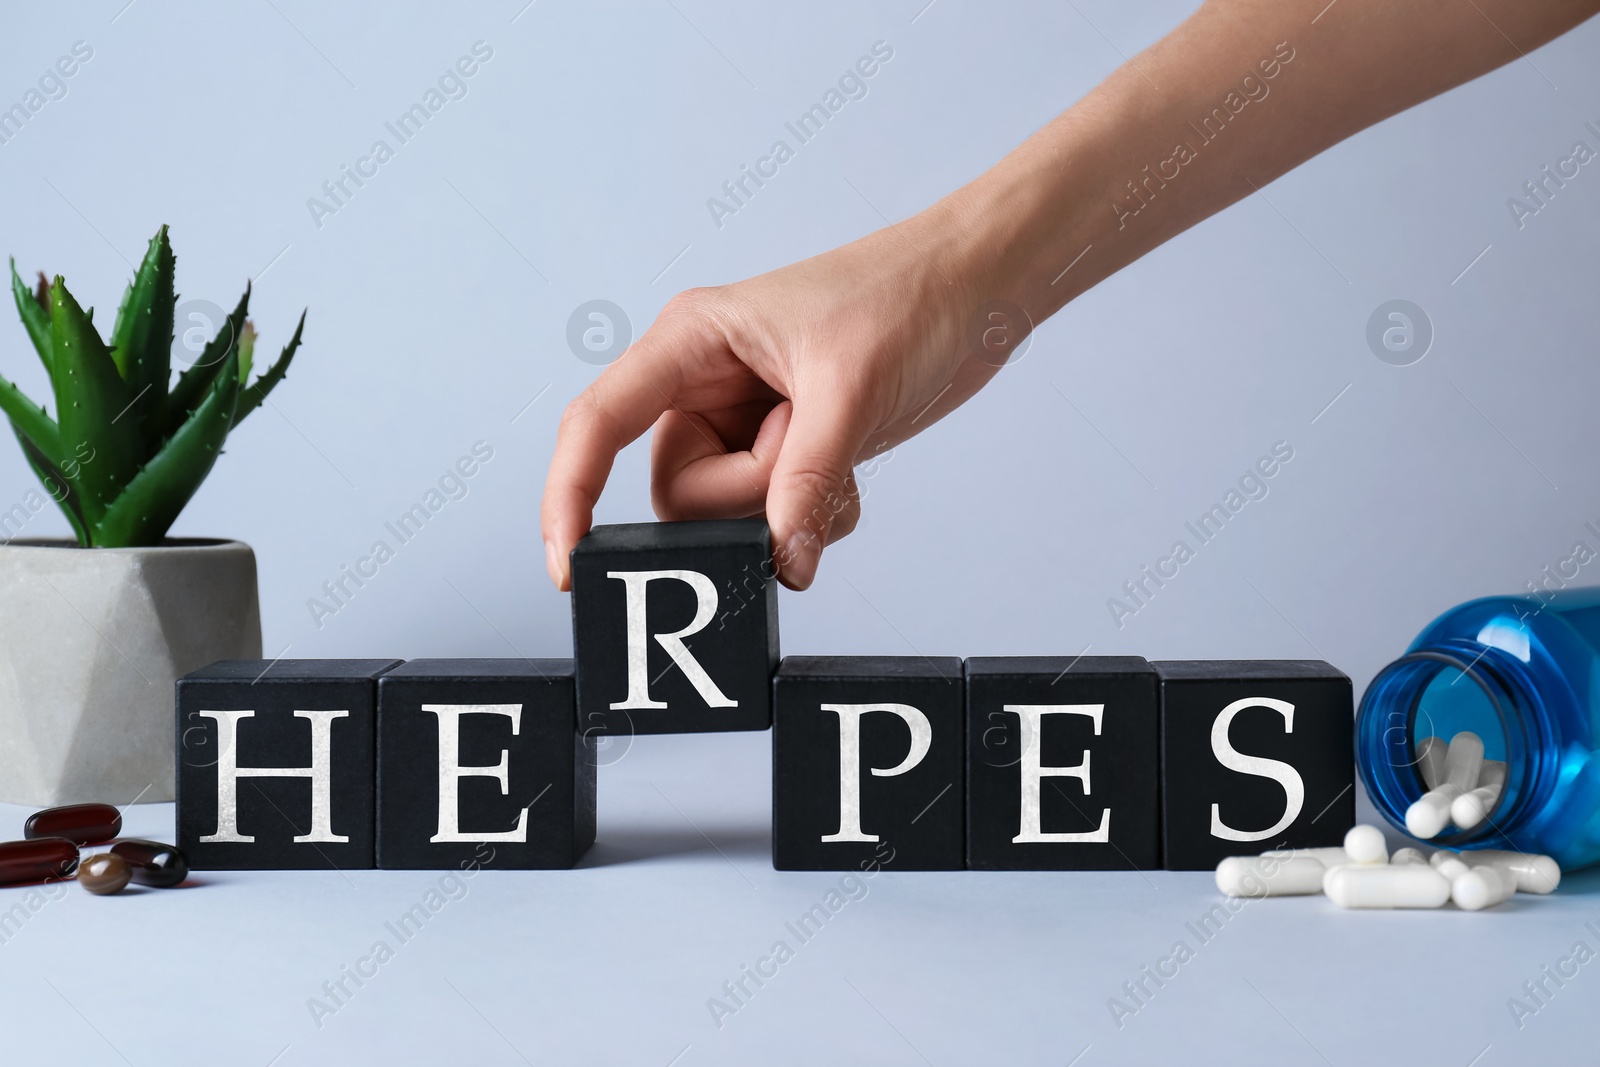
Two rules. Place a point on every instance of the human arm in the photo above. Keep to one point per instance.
(766, 392)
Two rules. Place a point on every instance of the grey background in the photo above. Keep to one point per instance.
(577, 168)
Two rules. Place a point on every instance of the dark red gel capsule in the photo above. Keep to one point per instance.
(37, 860)
(153, 864)
(87, 824)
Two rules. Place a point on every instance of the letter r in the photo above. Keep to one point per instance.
(636, 582)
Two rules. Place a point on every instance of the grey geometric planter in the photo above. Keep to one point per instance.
(91, 642)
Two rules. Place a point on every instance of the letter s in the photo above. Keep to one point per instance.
(83, 50)
(882, 50)
(1294, 788)
(483, 50)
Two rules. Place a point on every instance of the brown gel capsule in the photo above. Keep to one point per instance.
(38, 860)
(87, 824)
(152, 863)
(103, 874)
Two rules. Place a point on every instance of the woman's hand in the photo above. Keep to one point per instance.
(766, 393)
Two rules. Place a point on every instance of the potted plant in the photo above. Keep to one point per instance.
(94, 633)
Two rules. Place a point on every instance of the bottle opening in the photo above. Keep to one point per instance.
(1440, 695)
(1458, 701)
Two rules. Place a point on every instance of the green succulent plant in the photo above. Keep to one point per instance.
(128, 445)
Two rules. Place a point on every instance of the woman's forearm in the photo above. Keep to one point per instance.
(1240, 93)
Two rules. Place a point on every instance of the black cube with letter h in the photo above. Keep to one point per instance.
(1061, 764)
(480, 761)
(867, 755)
(675, 627)
(1256, 755)
(275, 764)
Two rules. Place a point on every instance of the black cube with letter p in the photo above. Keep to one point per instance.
(1255, 755)
(867, 760)
(675, 627)
(480, 761)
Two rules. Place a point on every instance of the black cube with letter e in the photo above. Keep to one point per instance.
(480, 761)
(1255, 755)
(867, 760)
(675, 627)
(275, 764)
(1062, 764)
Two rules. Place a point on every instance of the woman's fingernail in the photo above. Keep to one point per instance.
(800, 555)
(552, 562)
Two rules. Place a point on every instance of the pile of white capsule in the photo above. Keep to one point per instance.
(1362, 874)
(1463, 787)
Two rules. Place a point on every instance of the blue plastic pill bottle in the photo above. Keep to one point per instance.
(1523, 673)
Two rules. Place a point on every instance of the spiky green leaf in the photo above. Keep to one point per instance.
(253, 396)
(91, 402)
(35, 318)
(29, 418)
(247, 352)
(57, 484)
(192, 384)
(141, 341)
(155, 496)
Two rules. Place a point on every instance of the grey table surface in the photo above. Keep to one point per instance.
(617, 962)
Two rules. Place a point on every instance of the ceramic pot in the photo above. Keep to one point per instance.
(91, 642)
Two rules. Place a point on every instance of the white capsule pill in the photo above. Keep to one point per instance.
(1463, 759)
(1269, 876)
(1403, 856)
(1371, 886)
(1430, 760)
(1482, 887)
(1365, 844)
(1431, 813)
(1451, 867)
(1472, 807)
(1532, 872)
(1442, 855)
(1328, 857)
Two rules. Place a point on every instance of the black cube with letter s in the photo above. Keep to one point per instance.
(1255, 755)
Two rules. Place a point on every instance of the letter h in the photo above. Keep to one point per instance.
(229, 772)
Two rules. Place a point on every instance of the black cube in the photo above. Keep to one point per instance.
(1062, 764)
(1255, 755)
(867, 761)
(480, 761)
(675, 627)
(275, 764)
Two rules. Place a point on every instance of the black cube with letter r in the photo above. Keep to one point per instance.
(1255, 755)
(675, 627)
(481, 761)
